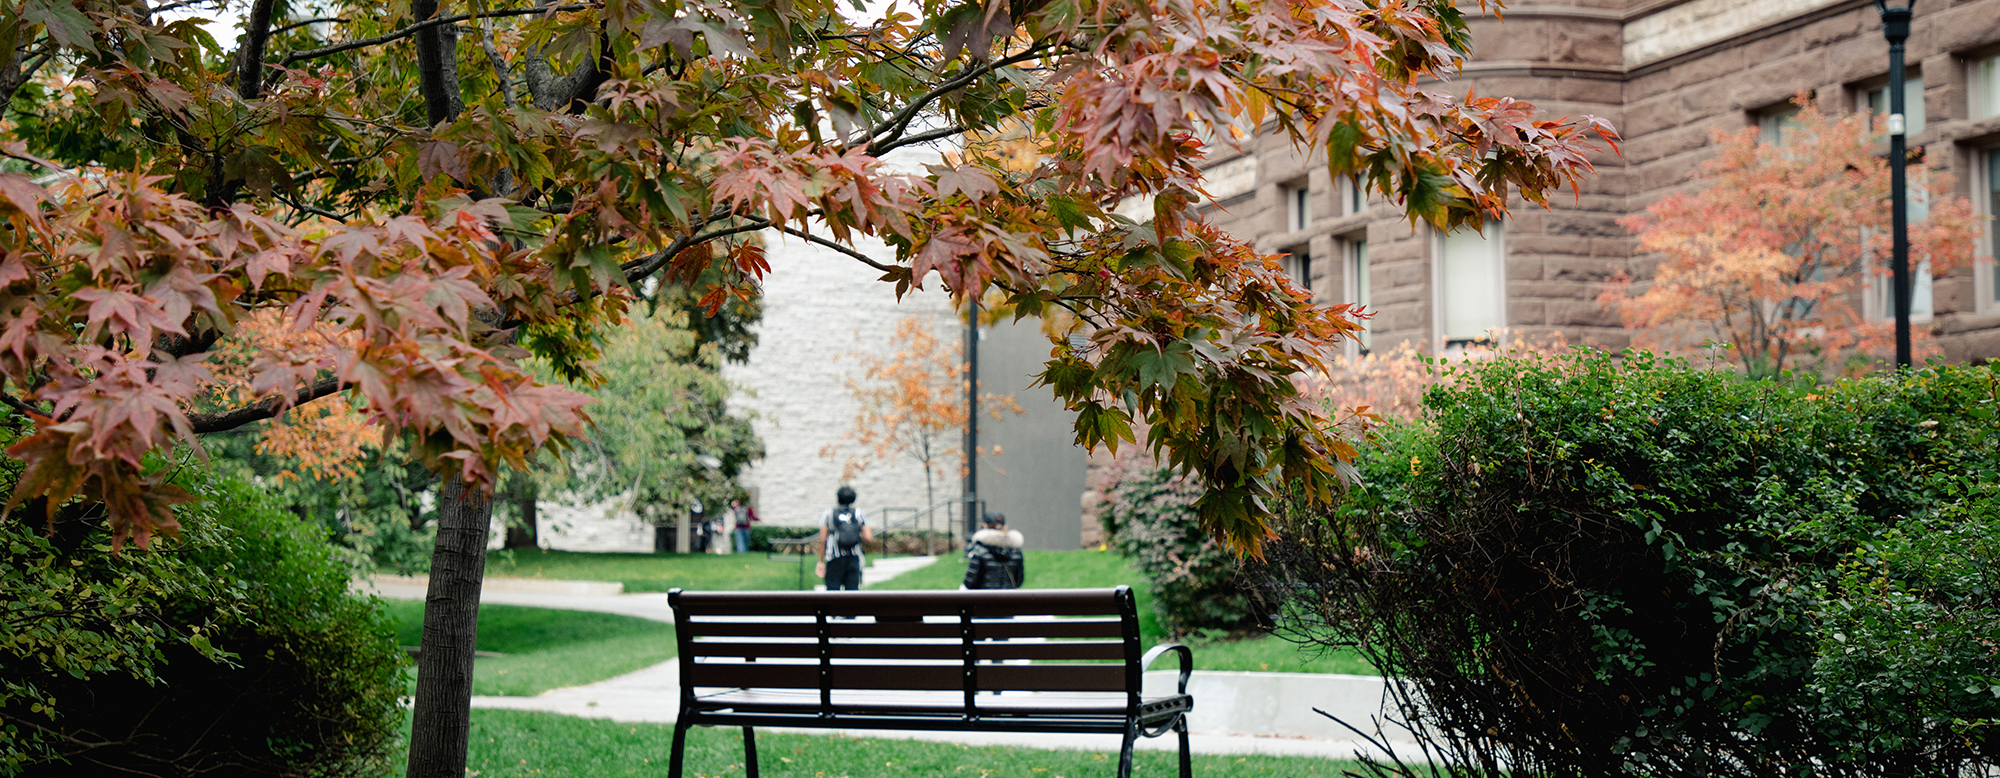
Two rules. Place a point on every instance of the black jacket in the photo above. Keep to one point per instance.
(993, 560)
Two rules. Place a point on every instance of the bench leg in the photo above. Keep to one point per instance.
(750, 752)
(680, 745)
(1125, 750)
(1187, 763)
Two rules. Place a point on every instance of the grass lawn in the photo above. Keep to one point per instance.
(548, 649)
(507, 744)
(1094, 569)
(653, 572)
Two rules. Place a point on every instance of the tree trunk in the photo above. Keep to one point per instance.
(521, 533)
(442, 722)
(437, 65)
(250, 57)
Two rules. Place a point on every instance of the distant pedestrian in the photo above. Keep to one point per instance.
(993, 560)
(745, 516)
(842, 531)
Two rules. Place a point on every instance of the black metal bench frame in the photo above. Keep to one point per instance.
(920, 660)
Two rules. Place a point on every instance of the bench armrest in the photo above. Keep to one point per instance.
(1187, 661)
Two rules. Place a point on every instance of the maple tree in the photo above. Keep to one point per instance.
(913, 404)
(1772, 257)
(430, 192)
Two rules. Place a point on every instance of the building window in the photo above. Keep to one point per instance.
(1877, 102)
(1881, 302)
(1357, 197)
(1987, 196)
(1298, 207)
(1774, 124)
(1299, 264)
(1359, 284)
(1983, 87)
(1472, 285)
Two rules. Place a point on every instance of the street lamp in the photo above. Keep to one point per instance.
(1896, 27)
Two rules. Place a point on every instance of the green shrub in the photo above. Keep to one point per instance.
(1149, 516)
(235, 649)
(1602, 565)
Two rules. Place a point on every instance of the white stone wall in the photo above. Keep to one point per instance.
(822, 309)
(1690, 26)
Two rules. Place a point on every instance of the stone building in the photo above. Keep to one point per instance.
(1668, 73)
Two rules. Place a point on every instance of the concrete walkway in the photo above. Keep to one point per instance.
(595, 596)
(1234, 713)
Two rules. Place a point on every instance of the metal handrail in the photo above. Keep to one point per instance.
(920, 519)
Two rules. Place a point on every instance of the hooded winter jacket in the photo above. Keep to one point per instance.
(993, 560)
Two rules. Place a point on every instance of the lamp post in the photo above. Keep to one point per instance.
(971, 414)
(1896, 27)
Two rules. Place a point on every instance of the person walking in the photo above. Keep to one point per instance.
(842, 531)
(745, 516)
(994, 559)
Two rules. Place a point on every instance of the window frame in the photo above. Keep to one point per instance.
(1498, 264)
(1914, 107)
(1299, 265)
(1985, 265)
(1358, 285)
(1298, 205)
(1976, 98)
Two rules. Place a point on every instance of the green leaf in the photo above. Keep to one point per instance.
(66, 25)
(1162, 368)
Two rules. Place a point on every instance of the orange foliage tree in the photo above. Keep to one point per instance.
(327, 440)
(1773, 255)
(913, 404)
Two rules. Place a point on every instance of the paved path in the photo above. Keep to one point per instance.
(538, 593)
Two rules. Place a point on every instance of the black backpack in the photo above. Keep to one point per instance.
(846, 530)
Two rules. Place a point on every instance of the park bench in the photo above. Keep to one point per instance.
(1023, 660)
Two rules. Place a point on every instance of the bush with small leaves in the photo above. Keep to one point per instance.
(1615, 565)
(1149, 516)
(235, 649)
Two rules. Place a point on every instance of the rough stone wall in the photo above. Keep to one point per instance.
(1835, 50)
(1669, 74)
(821, 311)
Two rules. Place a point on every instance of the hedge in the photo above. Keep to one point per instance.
(1597, 564)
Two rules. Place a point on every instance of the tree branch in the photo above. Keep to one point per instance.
(435, 65)
(20, 405)
(500, 70)
(295, 25)
(922, 137)
(420, 26)
(250, 58)
(863, 258)
(896, 125)
(263, 409)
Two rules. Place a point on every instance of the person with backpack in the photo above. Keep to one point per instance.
(994, 560)
(842, 531)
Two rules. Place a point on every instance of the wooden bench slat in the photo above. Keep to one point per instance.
(929, 677)
(995, 604)
(1055, 650)
(1062, 650)
(861, 629)
(1052, 678)
(1058, 628)
(752, 629)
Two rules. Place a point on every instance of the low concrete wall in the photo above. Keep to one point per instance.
(1279, 704)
